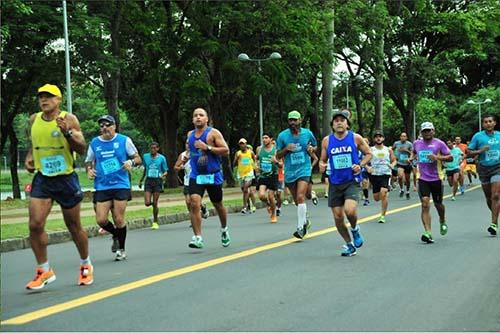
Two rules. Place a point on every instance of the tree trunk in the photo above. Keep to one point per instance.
(13, 163)
(327, 80)
(313, 118)
(356, 93)
(379, 101)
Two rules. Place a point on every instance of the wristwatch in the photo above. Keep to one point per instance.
(209, 147)
(68, 134)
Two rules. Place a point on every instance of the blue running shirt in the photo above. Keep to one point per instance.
(481, 139)
(205, 165)
(297, 162)
(342, 154)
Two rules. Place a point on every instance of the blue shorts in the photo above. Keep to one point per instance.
(64, 189)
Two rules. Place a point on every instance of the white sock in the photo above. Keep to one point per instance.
(85, 261)
(301, 215)
(45, 266)
(223, 229)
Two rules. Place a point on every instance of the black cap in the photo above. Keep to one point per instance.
(378, 132)
(107, 118)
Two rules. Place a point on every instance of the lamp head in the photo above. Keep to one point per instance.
(243, 57)
(470, 101)
(487, 100)
(275, 56)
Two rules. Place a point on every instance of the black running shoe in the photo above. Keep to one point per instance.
(427, 238)
(299, 233)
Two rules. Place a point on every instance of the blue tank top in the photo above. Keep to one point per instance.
(203, 162)
(109, 158)
(342, 154)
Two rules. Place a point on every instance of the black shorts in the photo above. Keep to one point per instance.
(64, 189)
(185, 190)
(338, 194)
(271, 183)
(120, 194)
(255, 182)
(394, 172)
(153, 185)
(365, 174)
(293, 185)
(450, 173)
(425, 189)
(324, 177)
(489, 174)
(379, 181)
(406, 167)
(214, 191)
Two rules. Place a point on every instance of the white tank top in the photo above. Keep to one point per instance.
(381, 160)
(187, 168)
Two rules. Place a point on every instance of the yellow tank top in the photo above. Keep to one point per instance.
(245, 163)
(51, 151)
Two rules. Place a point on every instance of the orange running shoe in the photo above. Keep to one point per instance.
(86, 275)
(41, 279)
(274, 218)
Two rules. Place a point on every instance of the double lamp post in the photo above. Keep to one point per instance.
(479, 103)
(245, 57)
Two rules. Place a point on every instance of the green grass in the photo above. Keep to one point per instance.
(20, 230)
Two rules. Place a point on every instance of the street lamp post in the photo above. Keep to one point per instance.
(470, 101)
(66, 51)
(245, 57)
(347, 81)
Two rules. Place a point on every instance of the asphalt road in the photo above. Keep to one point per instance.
(267, 281)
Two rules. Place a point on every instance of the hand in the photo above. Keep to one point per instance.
(485, 149)
(291, 147)
(29, 164)
(91, 173)
(432, 157)
(356, 168)
(322, 166)
(369, 169)
(310, 148)
(200, 145)
(127, 165)
(62, 124)
(140, 184)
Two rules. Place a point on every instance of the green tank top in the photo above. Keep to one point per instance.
(267, 167)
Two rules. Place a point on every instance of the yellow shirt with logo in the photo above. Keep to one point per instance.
(245, 163)
(51, 151)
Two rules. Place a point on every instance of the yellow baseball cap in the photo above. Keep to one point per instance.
(51, 89)
(294, 115)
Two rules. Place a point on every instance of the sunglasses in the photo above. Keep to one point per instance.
(102, 125)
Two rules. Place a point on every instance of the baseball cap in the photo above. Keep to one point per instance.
(378, 132)
(341, 113)
(51, 89)
(426, 125)
(294, 115)
(107, 118)
(242, 140)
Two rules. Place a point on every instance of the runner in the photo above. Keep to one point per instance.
(55, 135)
(470, 167)
(463, 163)
(429, 152)
(311, 194)
(365, 183)
(110, 157)
(340, 150)
(281, 185)
(381, 164)
(206, 146)
(453, 167)
(402, 149)
(292, 145)
(155, 170)
(486, 144)
(268, 174)
(182, 163)
(244, 160)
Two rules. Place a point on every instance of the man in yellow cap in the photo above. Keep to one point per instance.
(55, 135)
(244, 160)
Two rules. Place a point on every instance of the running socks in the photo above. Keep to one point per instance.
(109, 227)
(121, 234)
(85, 261)
(301, 215)
(365, 193)
(45, 266)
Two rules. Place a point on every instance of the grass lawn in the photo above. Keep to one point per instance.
(19, 230)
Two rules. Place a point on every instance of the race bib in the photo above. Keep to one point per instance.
(52, 165)
(266, 167)
(153, 173)
(342, 161)
(492, 155)
(205, 179)
(110, 165)
(297, 158)
(245, 161)
(403, 157)
(423, 156)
